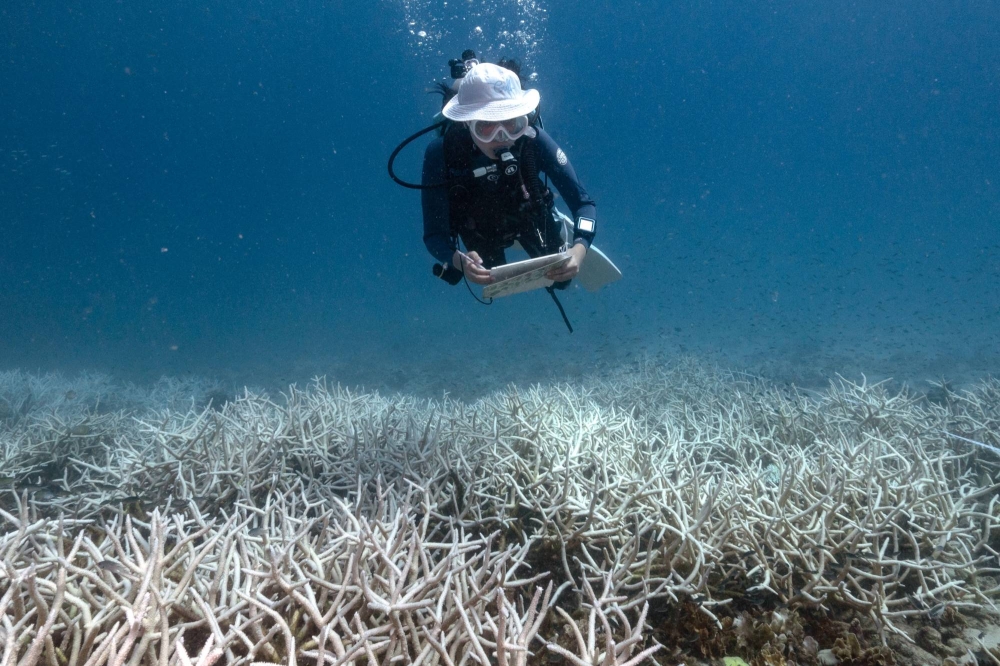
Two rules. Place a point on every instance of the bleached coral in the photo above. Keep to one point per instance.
(345, 526)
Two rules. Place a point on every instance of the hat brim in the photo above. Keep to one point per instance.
(504, 109)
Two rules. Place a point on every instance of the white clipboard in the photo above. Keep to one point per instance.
(522, 276)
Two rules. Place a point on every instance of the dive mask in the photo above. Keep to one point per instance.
(488, 131)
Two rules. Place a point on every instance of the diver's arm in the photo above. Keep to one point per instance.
(434, 201)
(557, 166)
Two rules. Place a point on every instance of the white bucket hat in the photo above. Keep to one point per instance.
(490, 92)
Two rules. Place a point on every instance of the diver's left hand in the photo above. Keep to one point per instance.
(572, 267)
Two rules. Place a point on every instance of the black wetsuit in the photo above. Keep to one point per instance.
(491, 213)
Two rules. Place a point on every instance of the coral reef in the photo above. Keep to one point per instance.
(669, 513)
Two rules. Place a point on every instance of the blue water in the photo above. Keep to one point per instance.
(200, 187)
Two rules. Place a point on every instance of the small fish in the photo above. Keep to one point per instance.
(257, 531)
(44, 492)
(71, 395)
(113, 567)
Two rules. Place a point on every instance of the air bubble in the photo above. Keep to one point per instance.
(496, 25)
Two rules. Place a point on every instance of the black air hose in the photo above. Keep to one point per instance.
(538, 202)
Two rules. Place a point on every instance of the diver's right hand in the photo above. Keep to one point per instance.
(472, 265)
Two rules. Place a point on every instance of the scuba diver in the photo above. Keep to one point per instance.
(481, 182)
(492, 134)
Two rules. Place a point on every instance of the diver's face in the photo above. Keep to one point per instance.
(492, 149)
